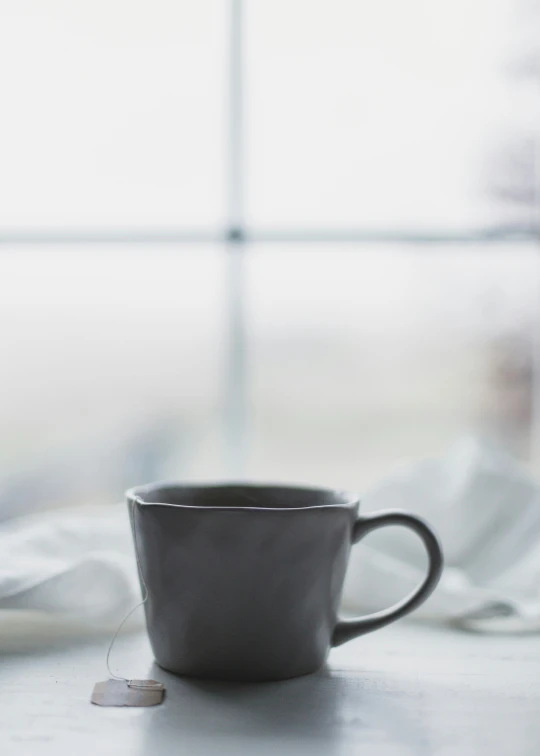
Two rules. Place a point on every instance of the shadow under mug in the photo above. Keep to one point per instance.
(244, 582)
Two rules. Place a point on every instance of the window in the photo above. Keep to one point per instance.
(293, 240)
(112, 115)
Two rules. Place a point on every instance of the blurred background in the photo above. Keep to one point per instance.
(274, 239)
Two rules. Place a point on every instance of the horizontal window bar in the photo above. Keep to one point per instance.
(241, 235)
(108, 236)
(385, 236)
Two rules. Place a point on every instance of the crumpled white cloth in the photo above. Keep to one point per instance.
(66, 575)
(486, 511)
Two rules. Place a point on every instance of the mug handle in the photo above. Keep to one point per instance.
(346, 630)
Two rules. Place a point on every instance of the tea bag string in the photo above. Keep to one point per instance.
(131, 683)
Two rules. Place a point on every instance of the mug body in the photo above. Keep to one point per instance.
(243, 581)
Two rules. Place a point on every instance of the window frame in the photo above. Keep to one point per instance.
(236, 238)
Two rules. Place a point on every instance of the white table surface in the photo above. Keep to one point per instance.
(402, 690)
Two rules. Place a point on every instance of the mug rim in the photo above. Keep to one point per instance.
(342, 499)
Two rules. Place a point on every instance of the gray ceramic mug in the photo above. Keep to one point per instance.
(244, 582)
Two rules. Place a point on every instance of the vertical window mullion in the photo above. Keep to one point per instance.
(235, 381)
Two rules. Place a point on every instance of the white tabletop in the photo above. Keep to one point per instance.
(402, 690)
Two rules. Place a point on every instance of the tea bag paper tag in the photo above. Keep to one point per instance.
(128, 693)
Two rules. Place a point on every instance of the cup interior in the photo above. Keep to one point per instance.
(235, 496)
